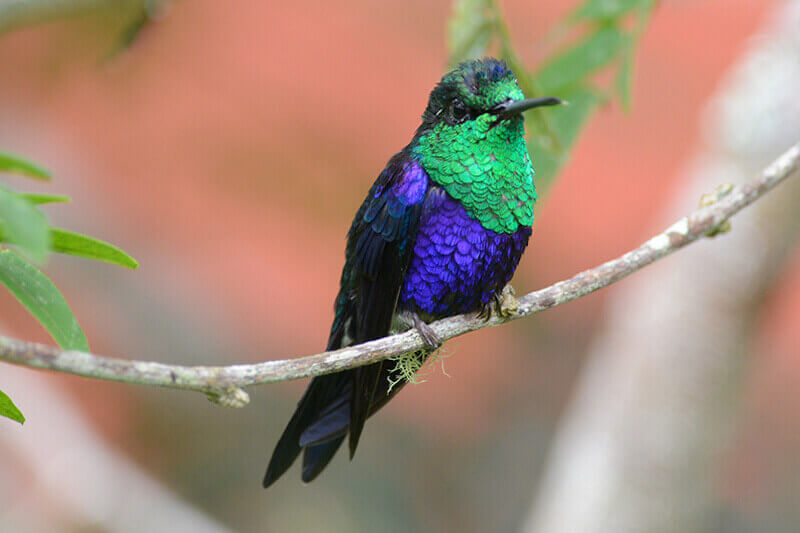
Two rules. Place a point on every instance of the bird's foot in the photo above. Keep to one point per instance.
(505, 305)
(431, 339)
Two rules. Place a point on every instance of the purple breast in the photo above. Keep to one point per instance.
(457, 265)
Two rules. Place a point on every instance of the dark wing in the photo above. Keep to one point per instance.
(379, 246)
(384, 241)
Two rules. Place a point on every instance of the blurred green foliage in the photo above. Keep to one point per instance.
(25, 228)
(9, 410)
(69, 242)
(42, 299)
(22, 224)
(599, 35)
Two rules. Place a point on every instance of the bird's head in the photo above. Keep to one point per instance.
(472, 143)
(476, 96)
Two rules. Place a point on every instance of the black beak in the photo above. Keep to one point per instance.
(515, 107)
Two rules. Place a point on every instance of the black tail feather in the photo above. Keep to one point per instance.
(286, 451)
(330, 424)
(321, 392)
(324, 417)
(365, 381)
(316, 458)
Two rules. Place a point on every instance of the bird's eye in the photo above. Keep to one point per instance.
(458, 112)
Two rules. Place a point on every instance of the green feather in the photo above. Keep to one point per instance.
(485, 168)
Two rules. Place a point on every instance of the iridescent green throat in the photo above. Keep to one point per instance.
(485, 166)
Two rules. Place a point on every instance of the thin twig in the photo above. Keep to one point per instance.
(223, 384)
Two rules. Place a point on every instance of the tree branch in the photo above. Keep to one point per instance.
(223, 384)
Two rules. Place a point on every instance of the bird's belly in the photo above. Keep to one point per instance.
(457, 265)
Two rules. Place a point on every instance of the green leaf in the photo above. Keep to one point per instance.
(68, 242)
(600, 10)
(22, 224)
(39, 296)
(17, 165)
(470, 30)
(569, 122)
(38, 199)
(566, 122)
(9, 410)
(579, 61)
(145, 13)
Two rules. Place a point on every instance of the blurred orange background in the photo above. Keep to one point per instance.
(227, 150)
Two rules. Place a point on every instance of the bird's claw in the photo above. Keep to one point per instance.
(429, 337)
(505, 305)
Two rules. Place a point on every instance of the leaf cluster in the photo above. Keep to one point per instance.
(26, 238)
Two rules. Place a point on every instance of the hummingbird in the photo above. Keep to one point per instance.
(440, 233)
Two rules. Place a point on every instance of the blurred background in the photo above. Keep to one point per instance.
(227, 149)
